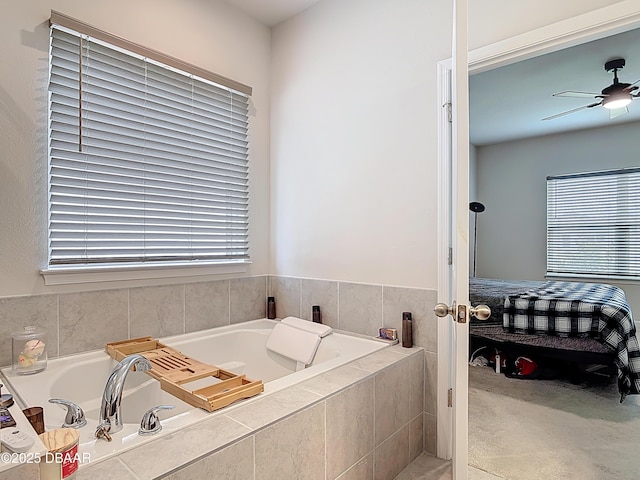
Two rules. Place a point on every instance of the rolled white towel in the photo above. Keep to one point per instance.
(317, 328)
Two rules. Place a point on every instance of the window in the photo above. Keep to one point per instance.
(593, 224)
(148, 163)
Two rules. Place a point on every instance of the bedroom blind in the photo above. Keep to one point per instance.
(593, 223)
(147, 164)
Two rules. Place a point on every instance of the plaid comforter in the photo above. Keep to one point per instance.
(581, 309)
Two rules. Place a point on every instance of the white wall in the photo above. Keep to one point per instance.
(353, 150)
(493, 20)
(511, 182)
(353, 145)
(207, 33)
(353, 127)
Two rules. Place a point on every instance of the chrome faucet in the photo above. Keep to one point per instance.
(110, 421)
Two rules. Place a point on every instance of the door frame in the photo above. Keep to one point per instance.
(603, 22)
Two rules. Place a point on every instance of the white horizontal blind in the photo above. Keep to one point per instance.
(593, 223)
(147, 164)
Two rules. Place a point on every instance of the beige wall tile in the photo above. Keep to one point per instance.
(182, 447)
(430, 433)
(334, 380)
(379, 360)
(111, 469)
(89, 320)
(323, 293)
(416, 437)
(302, 433)
(392, 390)
(392, 455)
(416, 383)
(430, 382)
(420, 303)
(206, 305)
(271, 408)
(234, 462)
(28, 471)
(156, 311)
(360, 308)
(286, 290)
(350, 424)
(427, 330)
(19, 312)
(363, 470)
(248, 299)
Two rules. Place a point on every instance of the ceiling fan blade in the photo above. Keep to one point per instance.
(571, 93)
(572, 111)
(616, 112)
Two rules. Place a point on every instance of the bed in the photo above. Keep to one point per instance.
(582, 323)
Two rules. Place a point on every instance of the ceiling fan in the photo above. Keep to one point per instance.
(615, 97)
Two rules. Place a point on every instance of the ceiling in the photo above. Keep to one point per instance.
(508, 103)
(272, 12)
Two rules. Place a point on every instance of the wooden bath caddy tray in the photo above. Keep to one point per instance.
(173, 369)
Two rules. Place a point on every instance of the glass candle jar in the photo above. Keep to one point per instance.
(29, 350)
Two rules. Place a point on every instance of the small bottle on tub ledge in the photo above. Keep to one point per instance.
(316, 316)
(271, 308)
(407, 330)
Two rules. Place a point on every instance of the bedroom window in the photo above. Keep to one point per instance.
(148, 156)
(593, 224)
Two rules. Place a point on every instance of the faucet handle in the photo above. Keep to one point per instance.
(150, 422)
(75, 415)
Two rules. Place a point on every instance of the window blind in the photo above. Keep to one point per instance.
(593, 223)
(147, 163)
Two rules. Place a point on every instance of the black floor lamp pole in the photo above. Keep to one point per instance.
(476, 208)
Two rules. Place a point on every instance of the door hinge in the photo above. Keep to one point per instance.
(449, 111)
(450, 398)
(450, 259)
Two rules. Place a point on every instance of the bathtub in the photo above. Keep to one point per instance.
(238, 348)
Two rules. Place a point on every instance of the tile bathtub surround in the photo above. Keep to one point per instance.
(420, 303)
(206, 305)
(286, 291)
(294, 433)
(221, 465)
(302, 433)
(350, 427)
(364, 308)
(247, 299)
(156, 311)
(19, 312)
(358, 307)
(88, 320)
(323, 293)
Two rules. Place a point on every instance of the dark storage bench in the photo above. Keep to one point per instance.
(582, 356)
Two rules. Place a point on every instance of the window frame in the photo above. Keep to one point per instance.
(91, 272)
(599, 210)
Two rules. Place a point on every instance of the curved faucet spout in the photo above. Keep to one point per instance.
(110, 421)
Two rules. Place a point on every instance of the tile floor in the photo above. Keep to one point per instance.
(427, 467)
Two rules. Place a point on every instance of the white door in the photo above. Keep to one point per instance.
(458, 271)
(453, 336)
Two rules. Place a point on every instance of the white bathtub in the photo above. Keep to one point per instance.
(238, 348)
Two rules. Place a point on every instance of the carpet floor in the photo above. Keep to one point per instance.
(551, 429)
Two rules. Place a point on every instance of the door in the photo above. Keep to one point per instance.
(459, 271)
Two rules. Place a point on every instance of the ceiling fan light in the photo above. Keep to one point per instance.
(618, 100)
